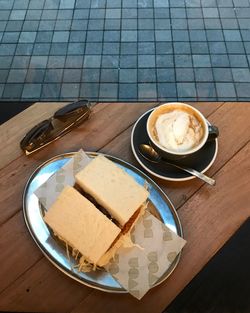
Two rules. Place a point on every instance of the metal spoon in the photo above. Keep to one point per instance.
(151, 155)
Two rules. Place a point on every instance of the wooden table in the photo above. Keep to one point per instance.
(209, 215)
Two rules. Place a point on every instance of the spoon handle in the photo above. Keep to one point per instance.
(192, 171)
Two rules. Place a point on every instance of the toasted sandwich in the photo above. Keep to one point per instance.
(75, 220)
(96, 216)
(113, 189)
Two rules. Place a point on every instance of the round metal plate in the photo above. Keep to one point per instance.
(159, 205)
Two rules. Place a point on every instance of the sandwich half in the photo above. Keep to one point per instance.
(115, 190)
(75, 220)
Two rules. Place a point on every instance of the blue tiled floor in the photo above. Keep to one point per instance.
(125, 50)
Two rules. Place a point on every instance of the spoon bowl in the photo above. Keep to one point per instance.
(149, 153)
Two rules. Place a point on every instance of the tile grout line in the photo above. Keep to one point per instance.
(66, 56)
(137, 50)
(46, 66)
(243, 43)
(101, 56)
(230, 68)
(6, 82)
(30, 57)
(120, 44)
(119, 54)
(155, 58)
(173, 51)
(210, 58)
(195, 82)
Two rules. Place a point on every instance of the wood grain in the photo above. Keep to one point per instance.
(209, 215)
(18, 251)
(41, 282)
(206, 108)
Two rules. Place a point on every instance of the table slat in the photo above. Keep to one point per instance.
(18, 252)
(41, 282)
(208, 215)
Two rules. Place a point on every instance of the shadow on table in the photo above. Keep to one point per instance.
(10, 109)
(223, 285)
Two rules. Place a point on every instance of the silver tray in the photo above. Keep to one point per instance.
(159, 205)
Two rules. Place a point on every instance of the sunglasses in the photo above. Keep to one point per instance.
(62, 122)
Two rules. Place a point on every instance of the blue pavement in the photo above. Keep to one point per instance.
(125, 50)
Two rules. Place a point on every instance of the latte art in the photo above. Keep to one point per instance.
(178, 130)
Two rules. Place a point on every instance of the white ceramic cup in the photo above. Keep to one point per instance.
(209, 132)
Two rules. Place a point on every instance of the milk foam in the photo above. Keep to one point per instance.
(178, 130)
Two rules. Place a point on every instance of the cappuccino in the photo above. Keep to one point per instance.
(178, 130)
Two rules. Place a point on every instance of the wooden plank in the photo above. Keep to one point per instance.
(206, 108)
(45, 289)
(209, 218)
(119, 144)
(18, 251)
(106, 123)
(126, 301)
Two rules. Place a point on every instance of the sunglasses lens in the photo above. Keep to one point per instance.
(38, 132)
(72, 110)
